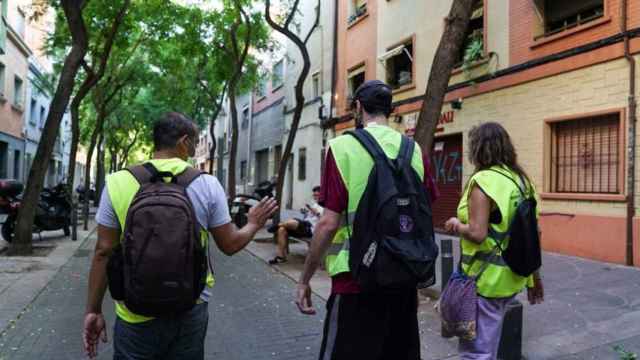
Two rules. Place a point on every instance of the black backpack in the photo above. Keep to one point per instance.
(393, 244)
(160, 267)
(523, 254)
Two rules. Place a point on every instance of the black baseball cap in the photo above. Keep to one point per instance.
(374, 95)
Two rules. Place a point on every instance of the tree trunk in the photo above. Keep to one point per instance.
(75, 139)
(101, 170)
(446, 55)
(113, 160)
(299, 91)
(214, 145)
(231, 191)
(87, 174)
(21, 244)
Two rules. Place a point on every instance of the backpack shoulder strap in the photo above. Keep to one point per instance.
(407, 147)
(371, 145)
(143, 173)
(188, 176)
(513, 181)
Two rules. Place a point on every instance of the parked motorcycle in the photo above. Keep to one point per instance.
(52, 213)
(242, 202)
(81, 193)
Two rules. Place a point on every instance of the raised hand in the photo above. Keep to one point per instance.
(263, 211)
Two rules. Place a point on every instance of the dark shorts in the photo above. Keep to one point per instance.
(371, 327)
(172, 337)
(303, 230)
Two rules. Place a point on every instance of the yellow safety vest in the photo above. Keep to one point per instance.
(355, 164)
(498, 281)
(122, 188)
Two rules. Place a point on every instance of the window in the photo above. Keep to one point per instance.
(4, 154)
(28, 162)
(277, 157)
(560, 15)
(243, 170)
(585, 155)
(261, 90)
(473, 47)
(222, 143)
(302, 164)
(245, 118)
(33, 113)
(278, 75)
(18, 92)
(16, 165)
(357, 9)
(400, 65)
(316, 85)
(356, 78)
(20, 22)
(43, 116)
(1, 79)
(262, 166)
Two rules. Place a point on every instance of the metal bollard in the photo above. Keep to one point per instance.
(511, 338)
(74, 222)
(446, 261)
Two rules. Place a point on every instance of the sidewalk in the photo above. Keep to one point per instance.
(590, 307)
(22, 278)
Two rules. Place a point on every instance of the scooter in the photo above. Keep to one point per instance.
(81, 193)
(242, 202)
(53, 211)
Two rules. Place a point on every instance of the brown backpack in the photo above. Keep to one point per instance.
(161, 266)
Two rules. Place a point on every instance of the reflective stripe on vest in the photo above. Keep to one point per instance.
(126, 188)
(498, 280)
(355, 165)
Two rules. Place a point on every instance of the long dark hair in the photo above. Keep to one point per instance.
(490, 145)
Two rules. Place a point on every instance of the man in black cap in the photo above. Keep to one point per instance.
(359, 325)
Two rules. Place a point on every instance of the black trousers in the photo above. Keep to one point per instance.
(370, 326)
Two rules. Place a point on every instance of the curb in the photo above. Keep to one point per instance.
(12, 321)
(278, 270)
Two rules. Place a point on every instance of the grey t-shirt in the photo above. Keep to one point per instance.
(209, 203)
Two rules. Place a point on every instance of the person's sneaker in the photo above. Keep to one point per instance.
(277, 260)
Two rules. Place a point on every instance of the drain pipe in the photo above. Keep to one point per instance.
(631, 147)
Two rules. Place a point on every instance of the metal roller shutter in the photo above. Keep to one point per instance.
(446, 167)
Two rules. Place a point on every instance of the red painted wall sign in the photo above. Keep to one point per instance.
(445, 118)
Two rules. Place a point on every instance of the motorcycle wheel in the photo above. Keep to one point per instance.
(7, 229)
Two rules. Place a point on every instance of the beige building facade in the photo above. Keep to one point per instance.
(556, 78)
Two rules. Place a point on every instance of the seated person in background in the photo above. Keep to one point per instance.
(299, 228)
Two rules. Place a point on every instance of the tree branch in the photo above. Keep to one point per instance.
(313, 28)
(294, 9)
(88, 69)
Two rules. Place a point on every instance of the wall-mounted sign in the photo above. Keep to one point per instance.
(446, 118)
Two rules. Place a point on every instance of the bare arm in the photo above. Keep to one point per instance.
(107, 240)
(479, 210)
(324, 233)
(230, 239)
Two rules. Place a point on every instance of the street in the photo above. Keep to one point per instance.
(590, 308)
(252, 315)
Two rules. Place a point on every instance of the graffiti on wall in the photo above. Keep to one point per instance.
(447, 165)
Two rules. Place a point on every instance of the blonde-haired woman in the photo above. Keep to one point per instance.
(489, 202)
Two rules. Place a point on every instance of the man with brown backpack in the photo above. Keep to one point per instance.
(152, 250)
